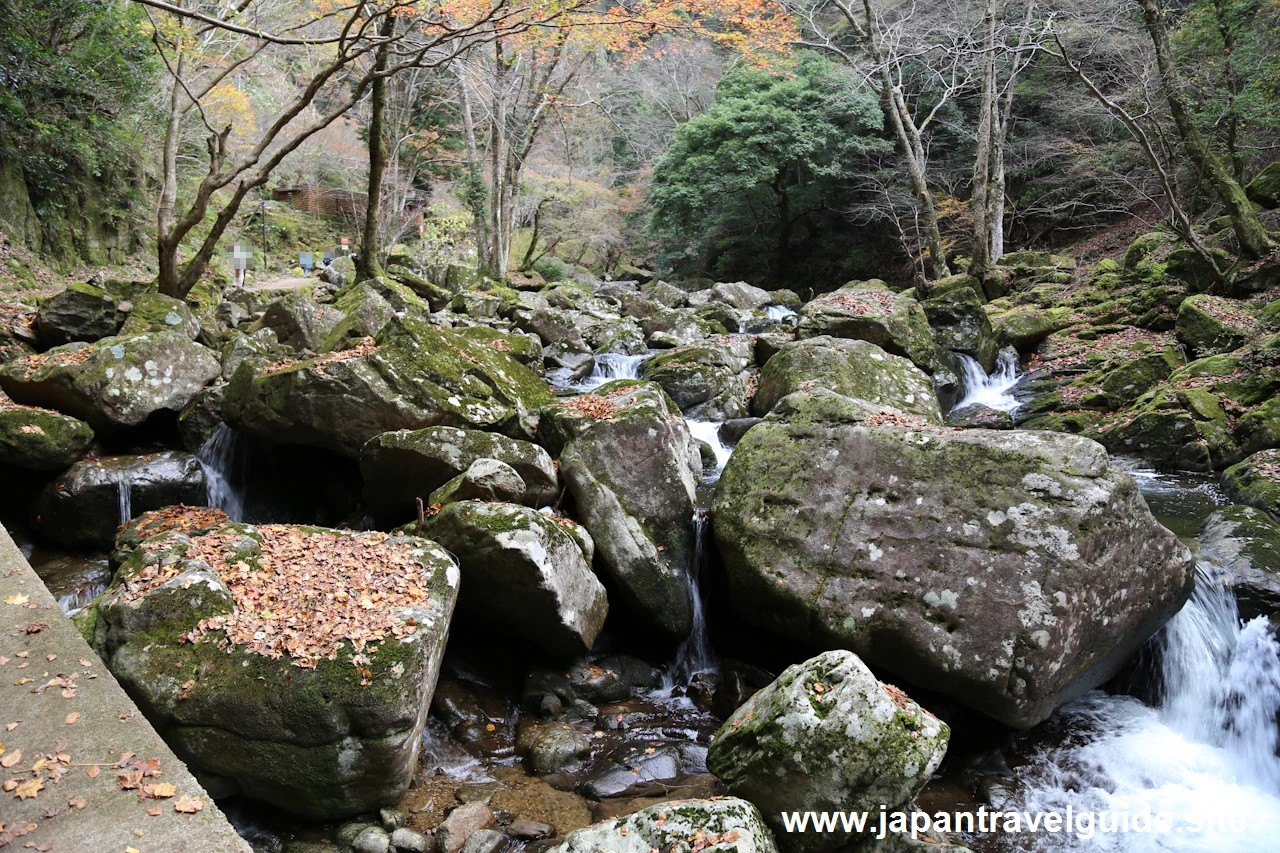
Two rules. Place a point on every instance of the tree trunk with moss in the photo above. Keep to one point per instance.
(367, 265)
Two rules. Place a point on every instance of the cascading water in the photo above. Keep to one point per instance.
(1205, 757)
(695, 654)
(780, 314)
(222, 458)
(124, 496)
(993, 391)
(610, 366)
(709, 431)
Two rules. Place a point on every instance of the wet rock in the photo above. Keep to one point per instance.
(593, 680)
(400, 466)
(528, 830)
(827, 736)
(980, 417)
(738, 682)
(312, 847)
(960, 324)
(40, 439)
(200, 418)
(155, 312)
(851, 368)
(735, 824)
(528, 574)
(484, 480)
(81, 312)
(486, 841)
(633, 768)
(115, 383)
(459, 826)
(866, 312)
(1256, 482)
(407, 840)
(82, 507)
(1246, 543)
(568, 361)
(417, 376)
(906, 535)
(732, 431)
(632, 468)
(338, 739)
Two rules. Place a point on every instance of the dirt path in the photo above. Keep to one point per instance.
(291, 283)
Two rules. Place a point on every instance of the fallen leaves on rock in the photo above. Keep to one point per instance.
(592, 406)
(188, 804)
(72, 717)
(37, 627)
(898, 696)
(306, 593)
(18, 598)
(180, 518)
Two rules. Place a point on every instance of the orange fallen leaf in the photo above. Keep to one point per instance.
(29, 789)
(17, 598)
(160, 790)
(78, 803)
(72, 717)
(11, 758)
(9, 785)
(187, 804)
(155, 812)
(94, 771)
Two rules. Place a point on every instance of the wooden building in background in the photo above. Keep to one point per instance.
(322, 201)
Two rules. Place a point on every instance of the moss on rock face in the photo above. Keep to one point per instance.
(852, 368)
(1245, 542)
(38, 439)
(1264, 189)
(337, 739)
(1260, 429)
(719, 825)
(895, 323)
(1212, 324)
(418, 376)
(1256, 482)
(827, 736)
(154, 312)
(893, 541)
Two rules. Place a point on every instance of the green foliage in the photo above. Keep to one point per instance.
(552, 269)
(772, 151)
(70, 70)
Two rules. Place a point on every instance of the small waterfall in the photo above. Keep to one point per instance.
(610, 366)
(1206, 755)
(780, 314)
(695, 654)
(222, 457)
(994, 391)
(124, 493)
(72, 602)
(709, 431)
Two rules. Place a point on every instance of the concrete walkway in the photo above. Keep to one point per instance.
(73, 726)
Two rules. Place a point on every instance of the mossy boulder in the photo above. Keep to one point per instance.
(1256, 482)
(1264, 189)
(116, 382)
(1024, 327)
(364, 312)
(526, 349)
(318, 734)
(1245, 542)
(849, 367)
(40, 439)
(827, 736)
(398, 467)
(416, 376)
(1259, 429)
(707, 380)
(1144, 246)
(523, 573)
(895, 323)
(484, 480)
(1213, 324)
(81, 312)
(82, 507)
(1187, 429)
(1132, 379)
(719, 825)
(436, 296)
(897, 543)
(960, 324)
(632, 468)
(155, 312)
(299, 323)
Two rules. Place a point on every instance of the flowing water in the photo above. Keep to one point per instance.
(780, 314)
(709, 431)
(995, 391)
(124, 497)
(695, 654)
(610, 366)
(223, 459)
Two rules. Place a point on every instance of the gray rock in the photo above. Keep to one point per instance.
(552, 746)
(486, 841)
(980, 417)
(484, 480)
(155, 312)
(739, 294)
(707, 380)
(81, 312)
(527, 573)
(528, 830)
(409, 841)
(392, 818)
(239, 346)
(736, 824)
(39, 439)
(633, 468)
(82, 507)
(299, 323)
(116, 382)
(400, 466)
(1246, 543)
(1256, 482)
(867, 311)
(372, 839)
(897, 543)
(852, 368)
(960, 324)
(827, 736)
(460, 824)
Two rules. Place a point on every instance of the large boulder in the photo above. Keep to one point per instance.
(298, 322)
(1264, 189)
(1213, 324)
(852, 368)
(1245, 542)
(850, 531)
(1256, 482)
(81, 312)
(523, 573)
(827, 736)
(294, 664)
(895, 323)
(737, 294)
(707, 380)
(82, 507)
(155, 312)
(40, 439)
(116, 382)
(960, 324)
(632, 467)
(1259, 429)
(412, 376)
(398, 467)
(719, 825)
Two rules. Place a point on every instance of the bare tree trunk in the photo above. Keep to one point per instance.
(909, 137)
(1254, 240)
(980, 204)
(476, 192)
(367, 265)
(166, 244)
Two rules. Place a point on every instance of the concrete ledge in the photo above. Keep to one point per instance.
(73, 810)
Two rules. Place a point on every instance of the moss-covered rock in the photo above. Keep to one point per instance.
(484, 480)
(1256, 482)
(1259, 429)
(1143, 247)
(895, 545)
(1024, 327)
(398, 467)
(1264, 189)
(116, 382)
(632, 467)
(298, 322)
(81, 312)
(895, 323)
(960, 324)
(1131, 380)
(1213, 324)
(719, 825)
(155, 312)
(523, 573)
(416, 376)
(334, 736)
(852, 368)
(40, 439)
(827, 736)
(707, 380)
(1245, 542)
